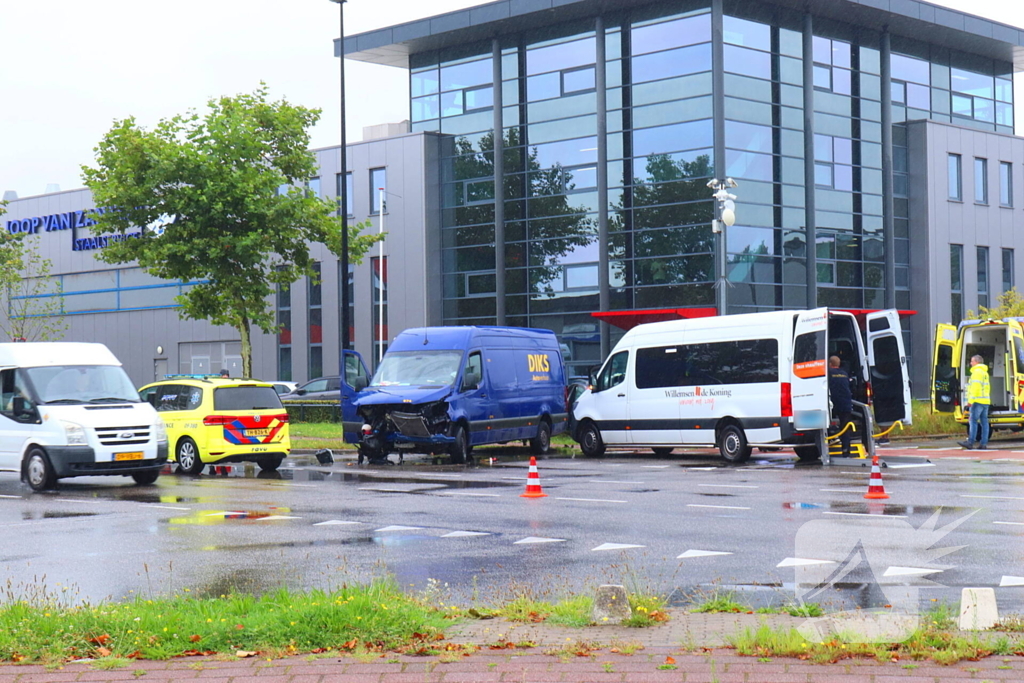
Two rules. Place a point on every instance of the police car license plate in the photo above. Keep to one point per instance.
(133, 455)
(257, 432)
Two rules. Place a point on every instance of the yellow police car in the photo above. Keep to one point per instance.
(217, 420)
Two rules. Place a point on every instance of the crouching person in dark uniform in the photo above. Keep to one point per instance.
(842, 400)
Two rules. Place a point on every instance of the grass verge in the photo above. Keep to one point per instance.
(377, 616)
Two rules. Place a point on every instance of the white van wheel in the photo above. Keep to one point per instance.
(38, 471)
(541, 443)
(590, 440)
(732, 444)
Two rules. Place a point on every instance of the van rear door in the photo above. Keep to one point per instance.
(944, 381)
(1015, 368)
(890, 379)
(809, 374)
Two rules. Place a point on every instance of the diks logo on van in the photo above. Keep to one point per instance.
(698, 392)
(539, 362)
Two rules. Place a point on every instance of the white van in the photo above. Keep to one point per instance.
(739, 381)
(69, 410)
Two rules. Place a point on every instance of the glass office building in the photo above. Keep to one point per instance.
(613, 122)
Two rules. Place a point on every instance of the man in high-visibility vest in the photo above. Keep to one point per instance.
(977, 403)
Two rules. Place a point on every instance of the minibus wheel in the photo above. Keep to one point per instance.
(662, 451)
(732, 444)
(807, 453)
(38, 471)
(459, 450)
(188, 457)
(590, 440)
(541, 443)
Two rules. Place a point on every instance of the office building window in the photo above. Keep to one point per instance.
(349, 202)
(284, 333)
(833, 159)
(314, 300)
(1007, 269)
(983, 299)
(378, 180)
(1005, 183)
(981, 180)
(956, 282)
(956, 186)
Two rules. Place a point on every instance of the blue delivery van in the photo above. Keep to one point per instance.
(444, 390)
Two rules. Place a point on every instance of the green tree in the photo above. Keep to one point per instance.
(33, 302)
(1011, 305)
(197, 200)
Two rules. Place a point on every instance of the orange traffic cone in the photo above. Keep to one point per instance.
(533, 489)
(876, 491)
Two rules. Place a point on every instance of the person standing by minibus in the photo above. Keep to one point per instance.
(977, 404)
(842, 400)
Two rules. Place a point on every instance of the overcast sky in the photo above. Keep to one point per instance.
(71, 68)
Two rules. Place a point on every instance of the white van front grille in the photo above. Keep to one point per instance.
(123, 436)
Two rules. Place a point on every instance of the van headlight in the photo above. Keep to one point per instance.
(74, 433)
(160, 430)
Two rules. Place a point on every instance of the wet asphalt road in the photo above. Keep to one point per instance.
(319, 526)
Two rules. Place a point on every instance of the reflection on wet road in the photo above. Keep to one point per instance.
(684, 525)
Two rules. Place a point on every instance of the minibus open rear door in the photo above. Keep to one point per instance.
(810, 372)
(945, 384)
(890, 378)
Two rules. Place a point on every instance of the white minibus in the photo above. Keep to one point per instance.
(69, 410)
(739, 381)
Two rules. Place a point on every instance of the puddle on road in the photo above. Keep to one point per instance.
(872, 508)
(384, 540)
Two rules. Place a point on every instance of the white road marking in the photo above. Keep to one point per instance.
(1012, 581)
(864, 514)
(539, 539)
(859, 489)
(729, 486)
(335, 521)
(655, 467)
(468, 493)
(616, 546)
(612, 481)
(720, 507)
(594, 500)
(399, 528)
(700, 469)
(801, 562)
(1, 496)
(276, 517)
(963, 495)
(461, 534)
(909, 571)
(922, 464)
(385, 490)
(165, 507)
(700, 553)
(1010, 523)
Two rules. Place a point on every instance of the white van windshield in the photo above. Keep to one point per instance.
(418, 368)
(82, 384)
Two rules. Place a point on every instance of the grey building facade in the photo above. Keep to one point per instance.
(614, 116)
(136, 317)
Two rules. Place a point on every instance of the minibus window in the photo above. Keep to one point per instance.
(12, 386)
(614, 372)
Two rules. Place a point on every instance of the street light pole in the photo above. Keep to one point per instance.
(343, 298)
(725, 215)
(380, 282)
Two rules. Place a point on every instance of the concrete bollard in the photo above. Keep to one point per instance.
(611, 605)
(978, 610)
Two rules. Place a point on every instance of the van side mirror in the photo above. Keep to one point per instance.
(151, 399)
(360, 383)
(471, 382)
(22, 409)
